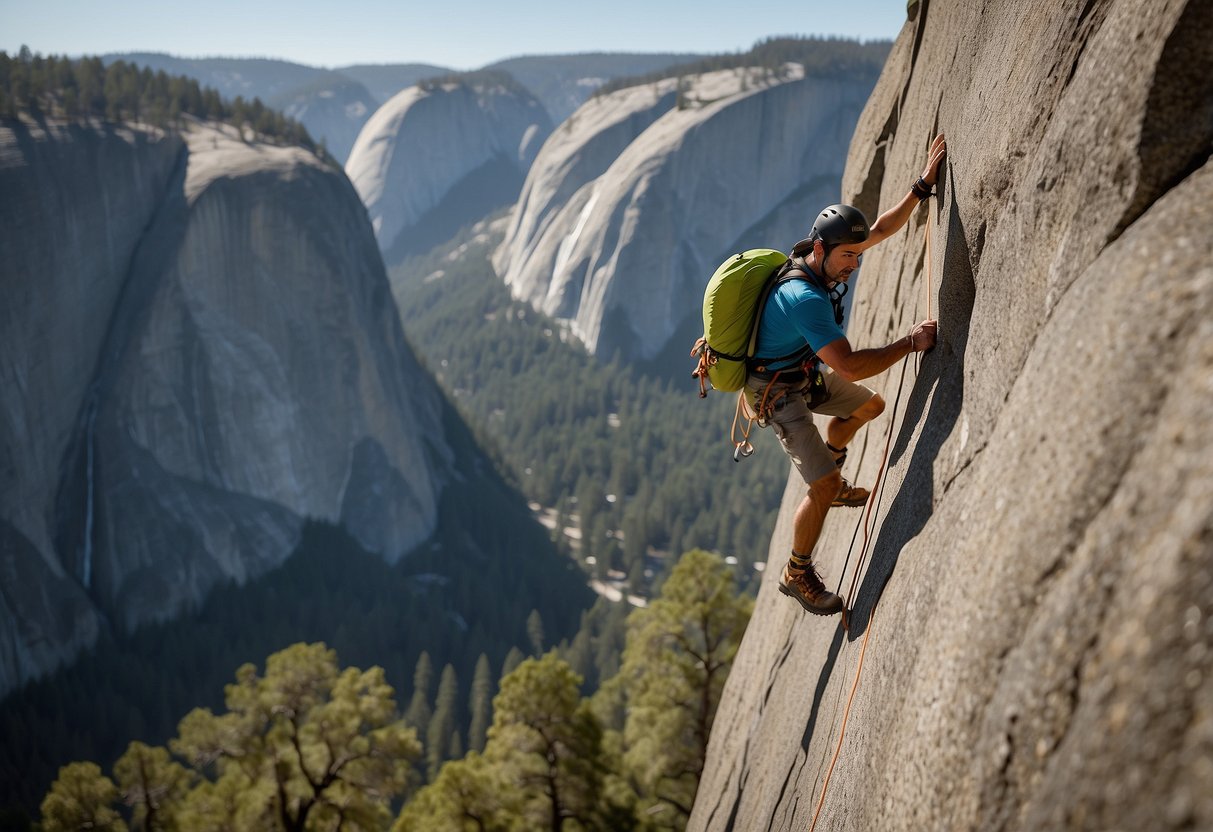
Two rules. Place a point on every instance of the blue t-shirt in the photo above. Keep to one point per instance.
(797, 312)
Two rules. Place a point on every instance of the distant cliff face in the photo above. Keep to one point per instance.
(1042, 653)
(637, 197)
(431, 160)
(331, 107)
(564, 82)
(199, 351)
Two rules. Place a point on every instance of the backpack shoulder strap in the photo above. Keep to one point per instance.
(788, 271)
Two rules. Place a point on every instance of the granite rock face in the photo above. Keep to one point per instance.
(1037, 602)
(437, 157)
(200, 350)
(332, 107)
(641, 193)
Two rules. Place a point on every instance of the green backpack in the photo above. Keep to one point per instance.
(732, 311)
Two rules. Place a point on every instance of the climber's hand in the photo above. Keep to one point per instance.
(922, 337)
(939, 149)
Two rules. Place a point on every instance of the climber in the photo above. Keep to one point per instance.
(802, 324)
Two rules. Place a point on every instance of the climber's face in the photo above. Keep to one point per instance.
(841, 262)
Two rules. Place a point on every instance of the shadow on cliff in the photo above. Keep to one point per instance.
(940, 384)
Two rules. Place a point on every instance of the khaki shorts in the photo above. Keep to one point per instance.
(792, 419)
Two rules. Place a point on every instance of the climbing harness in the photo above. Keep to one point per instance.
(807, 368)
(868, 524)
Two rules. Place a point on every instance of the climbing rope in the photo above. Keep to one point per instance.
(868, 524)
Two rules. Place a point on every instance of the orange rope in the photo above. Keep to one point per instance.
(846, 713)
(927, 234)
(863, 649)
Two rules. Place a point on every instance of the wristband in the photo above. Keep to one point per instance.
(921, 189)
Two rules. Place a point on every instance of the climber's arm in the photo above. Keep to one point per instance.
(853, 365)
(892, 220)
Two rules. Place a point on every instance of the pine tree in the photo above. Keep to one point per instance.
(419, 711)
(443, 723)
(481, 704)
(548, 744)
(511, 661)
(81, 798)
(302, 746)
(534, 632)
(153, 784)
(468, 794)
(678, 655)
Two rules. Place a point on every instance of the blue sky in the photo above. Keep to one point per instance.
(462, 34)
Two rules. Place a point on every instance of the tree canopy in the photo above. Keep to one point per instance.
(305, 746)
(678, 655)
(88, 88)
(823, 57)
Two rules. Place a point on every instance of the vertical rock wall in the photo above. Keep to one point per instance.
(431, 160)
(1036, 602)
(74, 203)
(636, 200)
(177, 404)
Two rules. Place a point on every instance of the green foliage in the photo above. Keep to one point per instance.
(306, 740)
(595, 651)
(307, 746)
(548, 744)
(481, 700)
(534, 631)
(419, 711)
(153, 784)
(81, 798)
(470, 794)
(678, 655)
(87, 88)
(639, 465)
(630, 757)
(822, 57)
(135, 687)
(443, 725)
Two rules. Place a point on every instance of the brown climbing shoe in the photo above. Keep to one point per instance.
(850, 495)
(806, 587)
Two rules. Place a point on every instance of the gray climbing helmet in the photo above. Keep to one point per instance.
(839, 224)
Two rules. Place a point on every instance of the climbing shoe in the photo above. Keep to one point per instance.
(806, 587)
(850, 495)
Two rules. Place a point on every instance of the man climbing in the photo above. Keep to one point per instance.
(801, 329)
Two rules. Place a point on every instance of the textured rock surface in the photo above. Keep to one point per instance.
(422, 146)
(634, 200)
(75, 203)
(1042, 653)
(200, 350)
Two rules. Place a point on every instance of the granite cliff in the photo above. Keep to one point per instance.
(1037, 605)
(199, 351)
(638, 196)
(438, 156)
